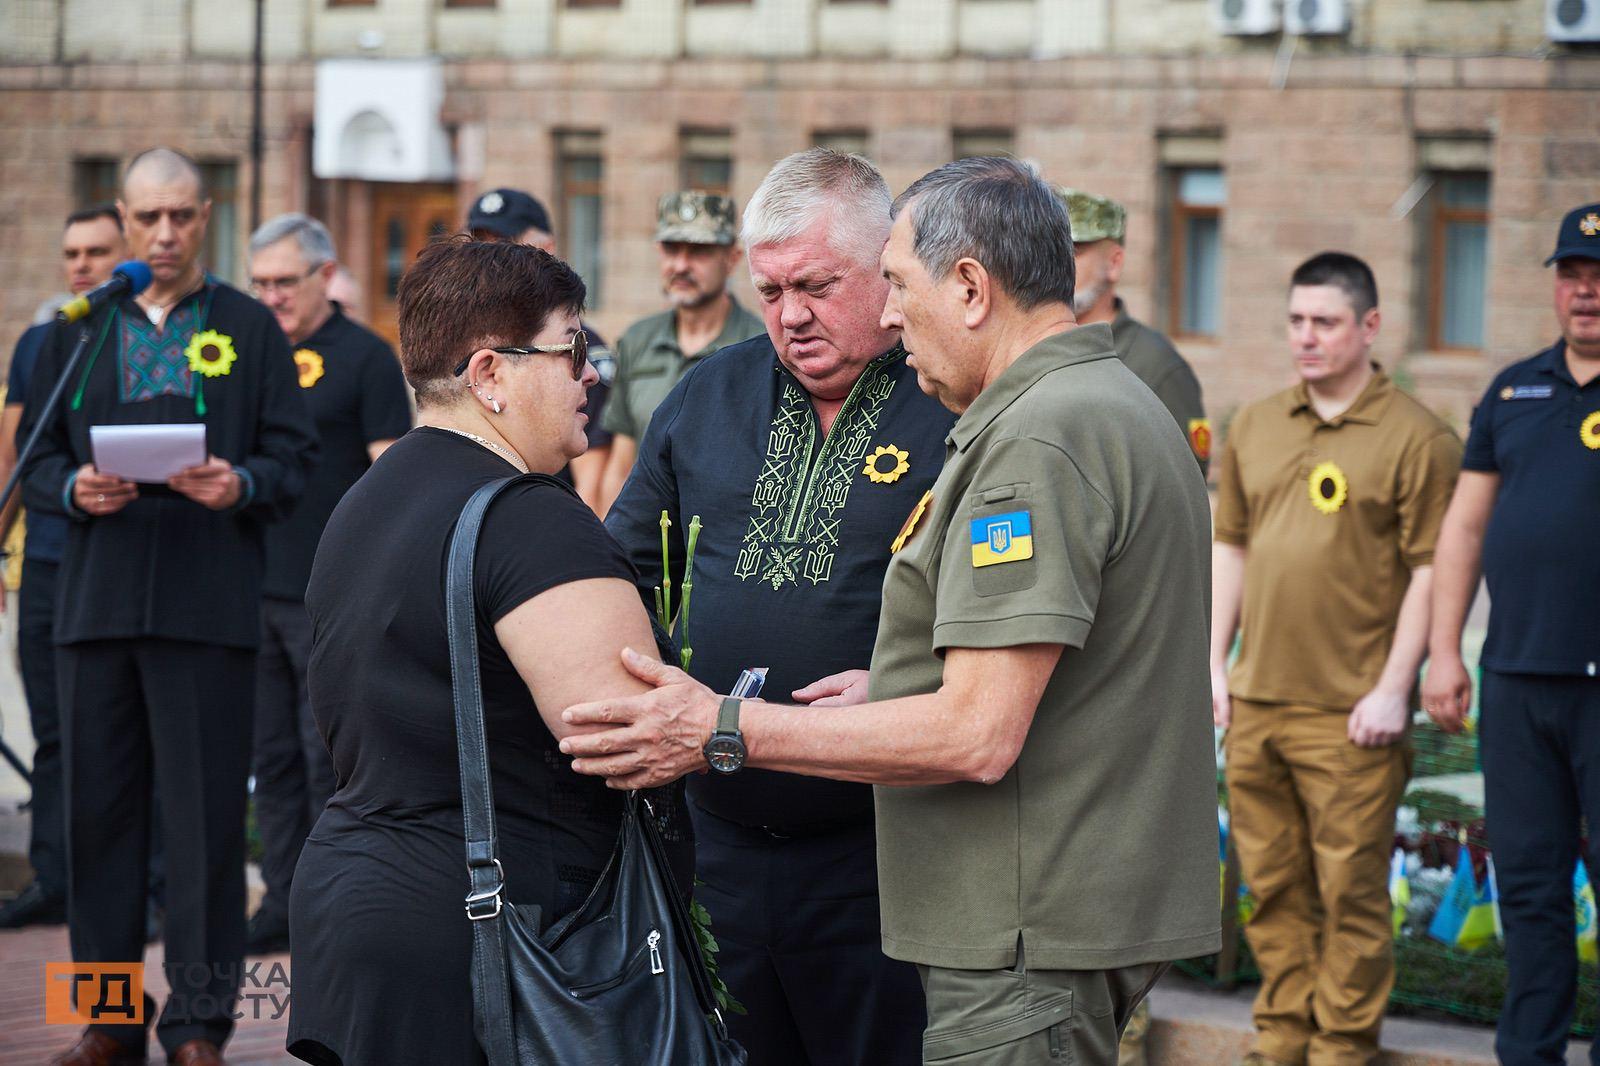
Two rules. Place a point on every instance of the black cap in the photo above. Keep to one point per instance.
(1579, 235)
(508, 212)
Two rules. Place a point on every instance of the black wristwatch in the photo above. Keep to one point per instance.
(725, 751)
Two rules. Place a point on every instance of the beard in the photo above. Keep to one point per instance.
(1086, 297)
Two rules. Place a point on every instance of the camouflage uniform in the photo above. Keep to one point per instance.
(1147, 353)
(648, 360)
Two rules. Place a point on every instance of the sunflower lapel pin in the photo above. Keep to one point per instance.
(211, 353)
(1328, 488)
(886, 464)
(310, 365)
(1589, 432)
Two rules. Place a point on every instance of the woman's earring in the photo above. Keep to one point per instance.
(494, 405)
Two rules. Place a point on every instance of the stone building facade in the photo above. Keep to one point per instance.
(1439, 139)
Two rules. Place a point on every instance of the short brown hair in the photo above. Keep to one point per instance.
(461, 295)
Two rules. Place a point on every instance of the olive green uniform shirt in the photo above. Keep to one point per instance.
(650, 363)
(1099, 847)
(1333, 517)
(1151, 356)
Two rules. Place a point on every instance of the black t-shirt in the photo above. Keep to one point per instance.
(380, 669)
(1540, 431)
(357, 394)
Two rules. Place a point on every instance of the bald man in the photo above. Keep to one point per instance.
(158, 616)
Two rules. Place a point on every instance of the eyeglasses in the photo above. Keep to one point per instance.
(268, 286)
(578, 346)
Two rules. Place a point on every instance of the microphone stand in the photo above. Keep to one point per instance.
(46, 417)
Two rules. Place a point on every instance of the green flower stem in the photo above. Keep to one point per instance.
(688, 589)
(666, 576)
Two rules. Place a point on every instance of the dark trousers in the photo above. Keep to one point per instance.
(175, 714)
(36, 650)
(797, 920)
(1540, 739)
(294, 774)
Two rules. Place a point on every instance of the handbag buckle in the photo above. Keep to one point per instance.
(492, 895)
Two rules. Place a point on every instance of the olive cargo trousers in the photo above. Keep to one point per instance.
(1312, 818)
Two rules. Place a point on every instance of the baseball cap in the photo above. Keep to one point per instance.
(1579, 235)
(508, 212)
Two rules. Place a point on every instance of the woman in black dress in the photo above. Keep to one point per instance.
(382, 945)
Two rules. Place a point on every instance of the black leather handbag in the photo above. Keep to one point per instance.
(618, 982)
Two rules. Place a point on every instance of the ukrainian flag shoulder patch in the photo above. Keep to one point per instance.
(1002, 538)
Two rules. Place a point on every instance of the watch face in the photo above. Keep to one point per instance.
(725, 753)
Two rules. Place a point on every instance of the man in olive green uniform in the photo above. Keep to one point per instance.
(1038, 682)
(697, 238)
(1330, 498)
(1099, 226)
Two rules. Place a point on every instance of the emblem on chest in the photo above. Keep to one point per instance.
(1327, 487)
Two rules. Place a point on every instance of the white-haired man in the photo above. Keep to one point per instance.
(352, 382)
(1039, 679)
(802, 451)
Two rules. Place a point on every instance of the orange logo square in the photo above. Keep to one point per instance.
(107, 993)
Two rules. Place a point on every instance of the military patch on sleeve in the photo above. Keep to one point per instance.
(1200, 437)
(1002, 538)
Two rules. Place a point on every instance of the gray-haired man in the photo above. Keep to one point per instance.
(353, 385)
(802, 450)
(1039, 682)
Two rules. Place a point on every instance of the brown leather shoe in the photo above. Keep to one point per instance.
(196, 1053)
(95, 1048)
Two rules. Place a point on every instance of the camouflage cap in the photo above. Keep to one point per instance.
(696, 217)
(1094, 218)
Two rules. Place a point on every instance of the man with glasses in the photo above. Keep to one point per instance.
(352, 382)
(159, 615)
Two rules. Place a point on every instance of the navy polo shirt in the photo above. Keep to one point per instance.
(47, 533)
(796, 528)
(1540, 432)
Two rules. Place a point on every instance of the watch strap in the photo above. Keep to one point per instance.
(728, 715)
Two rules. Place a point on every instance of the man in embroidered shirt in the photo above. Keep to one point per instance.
(1039, 674)
(357, 396)
(159, 611)
(802, 451)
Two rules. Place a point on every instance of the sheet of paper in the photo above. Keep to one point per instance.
(150, 454)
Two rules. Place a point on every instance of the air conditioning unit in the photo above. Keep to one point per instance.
(1572, 20)
(1307, 18)
(1248, 18)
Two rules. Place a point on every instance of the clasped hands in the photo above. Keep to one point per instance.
(214, 484)
(657, 737)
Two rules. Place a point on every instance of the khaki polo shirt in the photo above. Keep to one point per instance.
(1151, 356)
(1333, 517)
(650, 363)
(1069, 511)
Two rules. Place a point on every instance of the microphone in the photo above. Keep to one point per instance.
(130, 278)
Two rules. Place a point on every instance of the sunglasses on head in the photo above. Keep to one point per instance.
(578, 346)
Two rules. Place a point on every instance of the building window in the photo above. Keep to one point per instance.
(222, 233)
(971, 144)
(592, 3)
(1198, 196)
(851, 142)
(1456, 218)
(352, 3)
(706, 161)
(578, 190)
(469, 3)
(95, 181)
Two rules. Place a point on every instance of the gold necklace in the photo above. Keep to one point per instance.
(505, 453)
